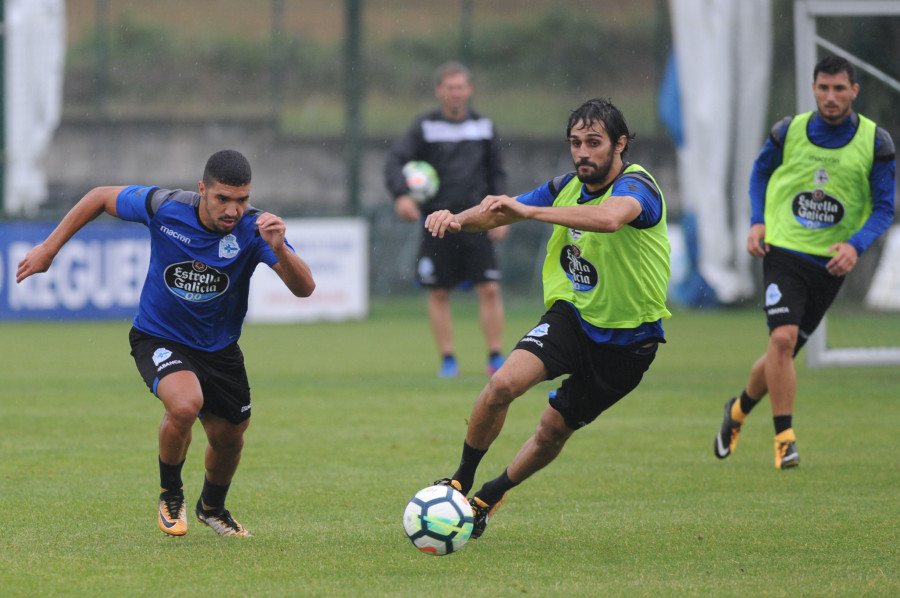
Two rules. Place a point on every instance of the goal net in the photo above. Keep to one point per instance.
(865, 332)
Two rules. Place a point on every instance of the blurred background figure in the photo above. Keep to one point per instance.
(464, 149)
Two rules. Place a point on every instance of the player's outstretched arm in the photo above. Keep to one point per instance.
(89, 207)
(493, 211)
(293, 271)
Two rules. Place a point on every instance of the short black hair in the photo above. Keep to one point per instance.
(832, 65)
(603, 111)
(228, 167)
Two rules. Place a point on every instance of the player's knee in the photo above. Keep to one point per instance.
(503, 387)
(783, 339)
(489, 291)
(226, 443)
(182, 415)
(183, 409)
(548, 437)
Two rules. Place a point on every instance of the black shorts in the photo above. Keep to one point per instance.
(600, 374)
(798, 292)
(456, 259)
(222, 375)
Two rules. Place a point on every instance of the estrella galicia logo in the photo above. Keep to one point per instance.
(160, 355)
(228, 247)
(581, 272)
(816, 209)
(195, 281)
(773, 294)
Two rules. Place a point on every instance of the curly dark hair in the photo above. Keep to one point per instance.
(603, 111)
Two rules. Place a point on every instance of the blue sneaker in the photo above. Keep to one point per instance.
(449, 369)
(493, 364)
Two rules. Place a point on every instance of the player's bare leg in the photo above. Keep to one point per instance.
(781, 377)
(756, 383)
(441, 318)
(182, 397)
(542, 448)
(223, 454)
(521, 371)
(490, 314)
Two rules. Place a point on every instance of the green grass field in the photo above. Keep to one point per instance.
(350, 420)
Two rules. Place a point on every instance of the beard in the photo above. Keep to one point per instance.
(598, 175)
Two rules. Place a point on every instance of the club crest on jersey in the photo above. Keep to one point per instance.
(816, 209)
(228, 247)
(581, 272)
(195, 281)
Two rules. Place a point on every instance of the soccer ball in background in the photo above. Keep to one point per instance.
(422, 180)
(438, 520)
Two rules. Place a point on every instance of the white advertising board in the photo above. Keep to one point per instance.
(337, 251)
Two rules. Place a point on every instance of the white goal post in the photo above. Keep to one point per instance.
(806, 41)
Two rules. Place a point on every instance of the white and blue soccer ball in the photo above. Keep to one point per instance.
(438, 520)
(422, 180)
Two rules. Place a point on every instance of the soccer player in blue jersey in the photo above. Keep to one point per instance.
(204, 248)
(821, 191)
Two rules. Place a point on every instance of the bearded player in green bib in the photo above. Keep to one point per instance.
(821, 191)
(605, 279)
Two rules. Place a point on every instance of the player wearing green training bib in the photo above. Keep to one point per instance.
(605, 278)
(822, 190)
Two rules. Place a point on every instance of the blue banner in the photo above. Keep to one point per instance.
(98, 274)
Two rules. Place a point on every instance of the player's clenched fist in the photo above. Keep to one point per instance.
(442, 221)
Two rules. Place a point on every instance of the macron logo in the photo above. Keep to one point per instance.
(175, 235)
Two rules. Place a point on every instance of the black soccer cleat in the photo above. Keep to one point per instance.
(727, 438)
(482, 514)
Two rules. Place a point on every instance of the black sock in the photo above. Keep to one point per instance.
(170, 477)
(468, 464)
(213, 496)
(493, 355)
(493, 491)
(747, 403)
(782, 423)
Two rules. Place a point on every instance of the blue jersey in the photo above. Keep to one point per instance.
(197, 285)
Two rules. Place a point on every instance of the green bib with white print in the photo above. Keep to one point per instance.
(819, 196)
(615, 280)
